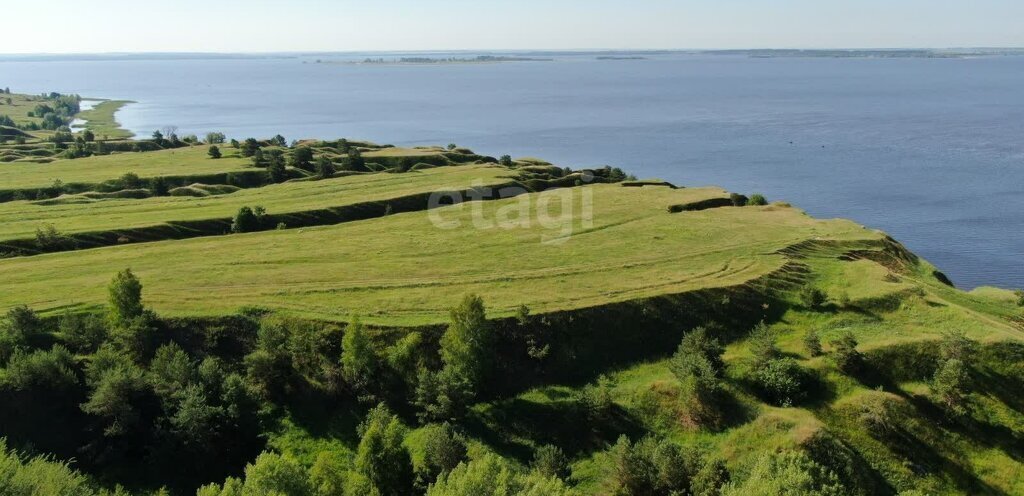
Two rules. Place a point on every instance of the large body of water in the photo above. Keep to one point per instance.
(929, 150)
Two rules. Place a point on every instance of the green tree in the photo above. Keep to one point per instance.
(124, 297)
(195, 420)
(550, 461)
(697, 346)
(88, 135)
(762, 344)
(359, 361)
(381, 457)
(506, 160)
(302, 157)
(738, 200)
(950, 386)
(82, 333)
(355, 160)
(20, 328)
(276, 171)
(443, 450)
(215, 138)
(245, 221)
(757, 199)
(258, 158)
(467, 345)
(324, 167)
(789, 473)
(249, 147)
(22, 476)
(214, 152)
(272, 474)
(116, 399)
(492, 476)
(171, 371)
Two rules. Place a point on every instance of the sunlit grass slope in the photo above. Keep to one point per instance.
(409, 269)
(177, 162)
(21, 219)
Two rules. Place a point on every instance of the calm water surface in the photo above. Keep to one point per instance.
(929, 150)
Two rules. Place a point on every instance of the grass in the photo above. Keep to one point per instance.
(92, 170)
(404, 270)
(186, 161)
(20, 107)
(100, 120)
(19, 220)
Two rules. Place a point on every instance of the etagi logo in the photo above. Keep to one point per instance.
(558, 212)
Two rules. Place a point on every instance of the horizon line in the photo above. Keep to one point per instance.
(439, 50)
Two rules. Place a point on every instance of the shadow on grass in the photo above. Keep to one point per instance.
(515, 427)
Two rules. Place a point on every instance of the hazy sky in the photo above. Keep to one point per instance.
(341, 25)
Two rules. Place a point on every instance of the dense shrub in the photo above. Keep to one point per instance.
(492, 476)
(813, 298)
(782, 381)
(738, 200)
(762, 344)
(845, 354)
(214, 152)
(757, 200)
(443, 450)
(812, 343)
(790, 473)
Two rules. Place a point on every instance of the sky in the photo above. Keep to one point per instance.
(76, 26)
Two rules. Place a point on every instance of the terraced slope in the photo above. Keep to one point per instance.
(409, 269)
(189, 161)
(21, 219)
(177, 162)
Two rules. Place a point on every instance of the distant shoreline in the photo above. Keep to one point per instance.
(471, 56)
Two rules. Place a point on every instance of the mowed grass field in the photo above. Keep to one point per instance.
(91, 170)
(174, 162)
(409, 269)
(20, 219)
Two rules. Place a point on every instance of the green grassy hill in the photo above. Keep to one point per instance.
(404, 270)
(78, 214)
(841, 362)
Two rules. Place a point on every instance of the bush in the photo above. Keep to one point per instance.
(248, 220)
(845, 354)
(550, 461)
(214, 152)
(443, 450)
(762, 344)
(492, 476)
(1020, 297)
(788, 472)
(813, 298)
(48, 238)
(757, 199)
(652, 467)
(783, 381)
(505, 160)
(738, 200)
(812, 343)
(950, 386)
(324, 167)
